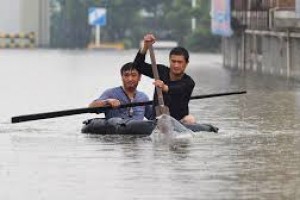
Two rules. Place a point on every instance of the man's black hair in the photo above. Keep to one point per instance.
(128, 67)
(180, 51)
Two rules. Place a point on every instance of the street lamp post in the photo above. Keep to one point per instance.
(193, 18)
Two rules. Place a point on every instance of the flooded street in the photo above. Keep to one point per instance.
(255, 155)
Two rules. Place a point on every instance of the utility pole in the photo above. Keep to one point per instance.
(298, 8)
(193, 18)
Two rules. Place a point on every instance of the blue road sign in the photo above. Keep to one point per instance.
(97, 16)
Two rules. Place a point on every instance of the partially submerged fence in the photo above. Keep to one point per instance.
(17, 40)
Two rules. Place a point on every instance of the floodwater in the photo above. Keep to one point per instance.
(256, 154)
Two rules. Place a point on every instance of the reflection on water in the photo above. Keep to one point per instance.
(256, 155)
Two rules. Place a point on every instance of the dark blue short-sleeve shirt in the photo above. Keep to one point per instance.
(137, 113)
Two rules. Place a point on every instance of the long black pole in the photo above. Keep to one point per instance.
(217, 95)
(47, 115)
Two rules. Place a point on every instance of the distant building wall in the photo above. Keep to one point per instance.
(286, 3)
(25, 16)
(266, 38)
(10, 16)
(298, 8)
(29, 15)
(36, 17)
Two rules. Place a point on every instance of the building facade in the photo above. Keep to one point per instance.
(266, 37)
(25, 17)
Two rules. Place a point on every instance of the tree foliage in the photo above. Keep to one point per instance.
(129, 20)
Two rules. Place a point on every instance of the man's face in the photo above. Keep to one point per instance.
(177, 64)
(131, 79)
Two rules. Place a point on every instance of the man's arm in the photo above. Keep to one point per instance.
(142, 66)
(108, 102)
(97, 103)
(105, 100)
(149, 39)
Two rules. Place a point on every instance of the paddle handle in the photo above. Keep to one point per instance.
(30, 117)
(48, 115)
(156, 76)
(217, 95)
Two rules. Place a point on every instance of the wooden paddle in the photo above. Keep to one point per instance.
(160, 108)
(47, 115)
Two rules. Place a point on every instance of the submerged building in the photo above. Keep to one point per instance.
(24, 19)
(265, 37)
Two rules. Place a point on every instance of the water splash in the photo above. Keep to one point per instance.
(170, 131)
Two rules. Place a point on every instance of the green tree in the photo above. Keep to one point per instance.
(178, 19)
(202, 39)
(69, 27)
(123, 22)
(128, 20)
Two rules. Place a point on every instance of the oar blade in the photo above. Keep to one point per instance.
(160, 110)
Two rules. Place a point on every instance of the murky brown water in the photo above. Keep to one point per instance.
(256, 155)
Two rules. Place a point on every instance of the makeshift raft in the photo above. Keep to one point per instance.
(132, 127)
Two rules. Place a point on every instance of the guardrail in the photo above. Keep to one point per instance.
(17, 40)
(111, 46)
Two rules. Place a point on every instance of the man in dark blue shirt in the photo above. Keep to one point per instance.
(125, 94)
